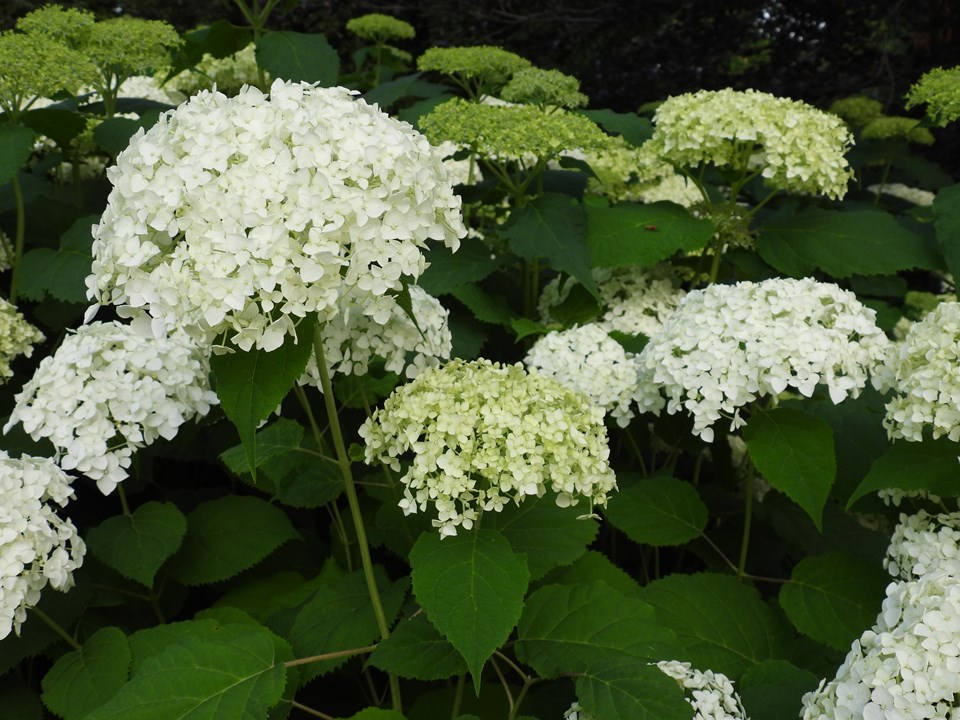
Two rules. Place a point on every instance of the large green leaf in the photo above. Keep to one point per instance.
(553, 227)
(773, 689)
(137, 545)
(930, 465)
(635, 130)
(447, 270)
(594, 566)
(235, 675)
(621, 690)
(417, 650)
(408, 86)
(721, 623)
(60, 125)
(83, 680)
(569, 629)
(16, 144)
(658, 511)
(946, 214)
(471, 586)
(276, 439)
(795, 453)
(841, 244)
(628, 234)
(833, 598)
(228, 535)
(492, 309)
(218, 39)
(296, 56)
(114, 134)
(60, 273)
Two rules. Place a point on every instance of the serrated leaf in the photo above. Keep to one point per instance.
(228, 535)
(554, 227)
(774, 688)
(61, 273)
(83, 680)
(635, 130)
(278, 438)
(485, 308)
(946, 214)
(930, 465)
(841, 244)
(417, 650)
(795, 454)
(568, 629)
(298, 57)
(833, 598)
(409, 86)
(629, 234)
(16, 144)
(721, 623)
(137, 545)
(550, 536)
(471, 586)
(658, 511)
(237, 675)
(523, 327)
(114, 134)
(631, 690)
(593, 566)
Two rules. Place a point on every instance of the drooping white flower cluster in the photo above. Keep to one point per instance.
(797, 147)
(110, 389)
(240, 216)
(727, 345)
(917, 196)
(587, 360)
(17, 337)
(908, 664)
(482, 435)
(37, 546)
(924, 372)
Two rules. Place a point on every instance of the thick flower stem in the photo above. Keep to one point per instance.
(351, 492)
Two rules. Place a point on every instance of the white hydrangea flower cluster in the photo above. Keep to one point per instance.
(924, 198)
(908, 664)
(799, 148)
(461, 172)
(362, 332)
(587, 360)
(241, 216)
(37, 546)
(727, 345)
(924, 372)
(17, 337)
(483, 435)
(110, 389)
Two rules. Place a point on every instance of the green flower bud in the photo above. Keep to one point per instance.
(36, 65)
(67, 25)
(544, 87)
(125, 46)
(939, 90)
(888, 128)
(479, 69)
(378, 28)
(857, 111)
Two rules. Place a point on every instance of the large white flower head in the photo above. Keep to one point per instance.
(797, 147)
(727, 345)
(17, 337)
(924, 544)
(924, 372)
(110, 389)
(587, 360)
(243, 215)
(483, 434)
(37, 546)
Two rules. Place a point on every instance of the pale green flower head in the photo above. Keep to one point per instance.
(484, 434)
(17, 337)
(793, 145)
(229, 74)
(36, 65)
(67, 25)
(892, 128)
(510, 132)
(479, 69)
(126, 46)
(857, 110)
(378, 28)
(544, 87)
(939, 90)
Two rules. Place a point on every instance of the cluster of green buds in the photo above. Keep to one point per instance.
(939, 90)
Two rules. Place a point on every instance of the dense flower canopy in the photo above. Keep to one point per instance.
(939, 90)
(241, 216)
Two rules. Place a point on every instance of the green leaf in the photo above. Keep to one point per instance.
(83, 680)
(114, 134)
(279, 438)
(795, 454)
(417, 650)
(408, 86)
(229, 535)
(16, 144)
(471, 586)
(833, 598)
(372, 713)
(568, 629)
(629, 234)
(251, 384)
(61, 126)
(550, 536)
(298, 57)
(219, 39)
(635, 130)
(946, 214)
(593, 566)
(553, 227)
(773, 689)
(658, 511)
(631, 690)
(721, 623)
(137, 545)
(60, 273)
(236, 675)
(631, 343)
(524, 327)
(485, 308)
(930, 465)
(841, 244)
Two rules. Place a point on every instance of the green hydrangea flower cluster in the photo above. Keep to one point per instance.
(66, 25)
(893, 127)
(510, 132)
(484, 434)
(857, 110)
(794, 146)
(378, 28)
(17, 337)
(127, 46)
(939, 90)
(545, 88)
(479, 69)
(37, 65)
(229, 74)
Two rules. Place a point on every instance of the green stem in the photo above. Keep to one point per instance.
(353, 501)
(636, 449)
(123, 501)
(330, 656)
(310, 711)
(55, 626)
(747, 517)
(715, 263)
(18, 238)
